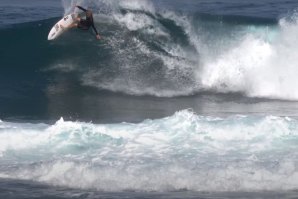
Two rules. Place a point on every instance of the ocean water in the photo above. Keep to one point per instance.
(180, 99)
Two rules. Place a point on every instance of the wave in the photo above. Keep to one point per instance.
(184, 151)
(165, 53)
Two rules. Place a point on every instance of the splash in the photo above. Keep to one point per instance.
(258, 67)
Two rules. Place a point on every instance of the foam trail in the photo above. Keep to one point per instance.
(183, 151)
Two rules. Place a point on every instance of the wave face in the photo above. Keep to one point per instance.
(182, 152)
(162, 53)
(149, 50)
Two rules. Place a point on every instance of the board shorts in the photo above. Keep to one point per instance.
(84, 24)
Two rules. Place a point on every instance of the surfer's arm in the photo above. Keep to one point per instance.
(94, 29)
(97, 35)
(81, 8)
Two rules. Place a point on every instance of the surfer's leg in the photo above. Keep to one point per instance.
(74, 25)
(78, 19)
(83, 25)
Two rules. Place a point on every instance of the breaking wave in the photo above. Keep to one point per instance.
(148, 50)
(184, 151)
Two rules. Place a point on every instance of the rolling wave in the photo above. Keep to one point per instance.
(149, 51)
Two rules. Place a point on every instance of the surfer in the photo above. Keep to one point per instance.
(85, 24)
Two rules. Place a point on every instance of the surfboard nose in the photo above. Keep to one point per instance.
(51, 35)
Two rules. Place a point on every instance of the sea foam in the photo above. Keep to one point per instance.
(183, 151)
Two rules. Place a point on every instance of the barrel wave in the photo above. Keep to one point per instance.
(158, 52)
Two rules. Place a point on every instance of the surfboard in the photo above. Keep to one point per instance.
(61, 26)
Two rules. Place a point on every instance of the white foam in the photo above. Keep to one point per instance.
(165, 178)
(137, 5)
(134, 21)
(257, 67)
(234, 70)
(183, 151)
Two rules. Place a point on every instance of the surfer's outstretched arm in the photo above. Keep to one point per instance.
(97, 35)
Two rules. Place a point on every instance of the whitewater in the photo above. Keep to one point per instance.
(181, 152)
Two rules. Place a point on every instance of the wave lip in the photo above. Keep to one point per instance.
(183, 151)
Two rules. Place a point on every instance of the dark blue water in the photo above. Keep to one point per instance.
(180, 99)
